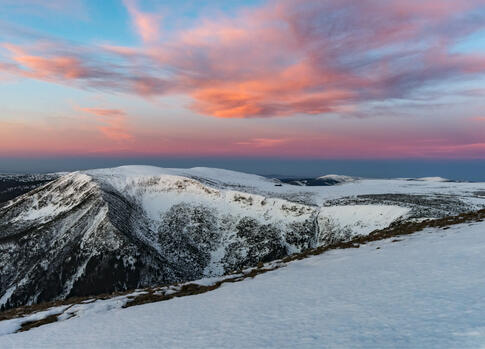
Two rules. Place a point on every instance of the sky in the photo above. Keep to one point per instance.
(368, 79)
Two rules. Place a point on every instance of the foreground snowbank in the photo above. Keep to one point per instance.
(424, 291)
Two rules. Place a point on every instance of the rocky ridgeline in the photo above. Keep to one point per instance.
(79, 236)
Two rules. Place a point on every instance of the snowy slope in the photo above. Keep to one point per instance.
(425, 291)
(108, 230)
(465, 196)
(360, 219)
(318, 195)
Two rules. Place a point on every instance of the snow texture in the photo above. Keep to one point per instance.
(425, 291)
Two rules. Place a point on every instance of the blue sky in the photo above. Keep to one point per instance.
(286, 79)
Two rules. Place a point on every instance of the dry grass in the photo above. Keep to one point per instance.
(31, 324)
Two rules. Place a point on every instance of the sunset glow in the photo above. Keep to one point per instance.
(322, 79)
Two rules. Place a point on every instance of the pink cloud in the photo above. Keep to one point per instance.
(113, 123)
(263, 142)
(146, 24)
(85, 67)
(54, 67)
(283, 58)
(103, 131)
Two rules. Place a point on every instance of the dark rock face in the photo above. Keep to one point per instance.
(254, 243)
(79, 237)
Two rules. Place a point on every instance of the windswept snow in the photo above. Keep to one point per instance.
(425, 291)
(316, 195)
(214, 176)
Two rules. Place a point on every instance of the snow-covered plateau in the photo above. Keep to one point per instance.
(87, 233)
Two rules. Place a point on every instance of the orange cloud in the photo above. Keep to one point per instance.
(50, 68)
(291, 57)
(114, 121)
(284, 58)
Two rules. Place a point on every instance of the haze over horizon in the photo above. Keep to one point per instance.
(460, 170)
(271, 87)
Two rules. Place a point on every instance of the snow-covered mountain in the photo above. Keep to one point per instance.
(109, 230)
(116, 229)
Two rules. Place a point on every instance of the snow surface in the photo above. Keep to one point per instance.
(363, 219)
(425, 291)
(318, 195)
(433, 179)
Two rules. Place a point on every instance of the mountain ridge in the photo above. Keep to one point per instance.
(82, 235)
(108, 230)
